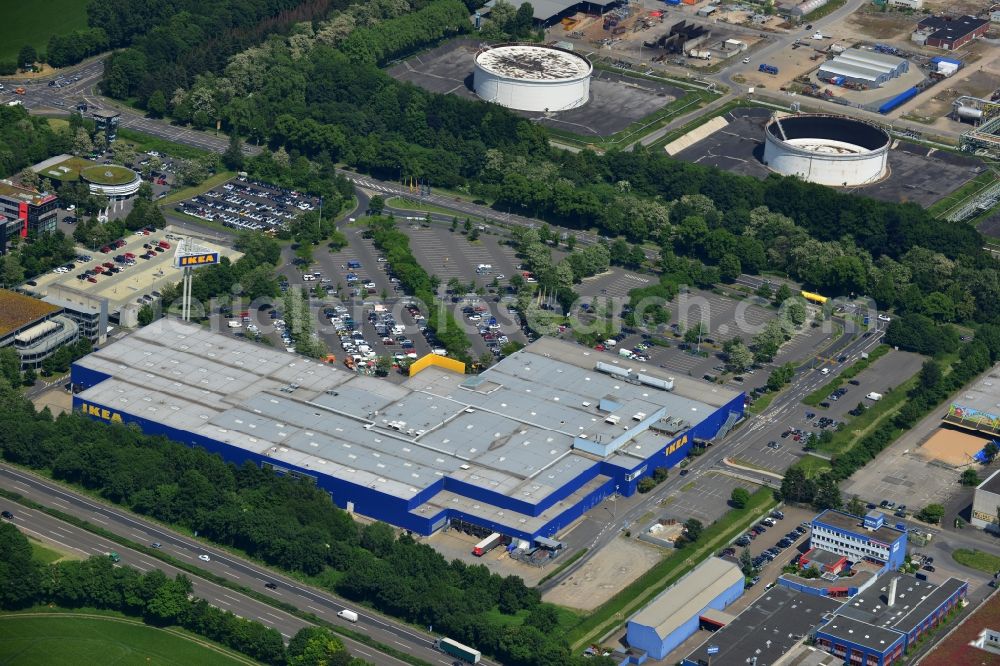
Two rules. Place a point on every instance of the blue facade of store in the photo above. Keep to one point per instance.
(403, 512)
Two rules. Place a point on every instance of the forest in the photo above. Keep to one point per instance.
(158, 600)
(288, 523)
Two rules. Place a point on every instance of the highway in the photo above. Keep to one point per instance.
(239, 570)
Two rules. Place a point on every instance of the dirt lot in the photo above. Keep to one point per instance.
(883, 26)
(56, 399)
(979, 83)
(615, 566)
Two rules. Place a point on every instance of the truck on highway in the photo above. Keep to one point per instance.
(348, 615)
(487, 544)
(456, 649)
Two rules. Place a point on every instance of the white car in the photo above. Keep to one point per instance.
(746, 61)
(883, 317)
(204, 558)
(70, 208)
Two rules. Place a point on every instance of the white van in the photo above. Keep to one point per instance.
(235, 323)
(825, 371)
(348, 615)
(610, 343)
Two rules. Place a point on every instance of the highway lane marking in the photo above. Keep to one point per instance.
(273, 615)
(315, 609)
(223, 601)
(183, 554)
(99, 520)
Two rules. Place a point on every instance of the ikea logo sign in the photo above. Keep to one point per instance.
(199, 259)
(676, 445)
(100, 413)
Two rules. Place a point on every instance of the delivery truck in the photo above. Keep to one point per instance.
(874, 396)
(348, 615)
(487, 544)
(456, 649)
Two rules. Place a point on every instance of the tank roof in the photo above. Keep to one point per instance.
(534, 63)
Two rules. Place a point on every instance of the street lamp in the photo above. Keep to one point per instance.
(615, 498)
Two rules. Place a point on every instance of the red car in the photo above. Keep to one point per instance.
(91, 279)
(98, 269)
(129, 255)
(108, 264)
(599, 347)
(165, 245)
(105, 249)
(119, 243)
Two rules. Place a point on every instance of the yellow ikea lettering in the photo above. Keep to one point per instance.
(101, 413)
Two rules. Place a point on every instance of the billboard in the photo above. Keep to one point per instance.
(200, 259)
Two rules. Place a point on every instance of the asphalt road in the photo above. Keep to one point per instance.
(244, 572)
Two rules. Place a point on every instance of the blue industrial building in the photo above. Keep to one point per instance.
(676, 613)
(877, 626)
(524, 448)
(867, 539)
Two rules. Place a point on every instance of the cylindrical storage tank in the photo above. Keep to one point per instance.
(969, 112)
(528, 77)
(829, 150)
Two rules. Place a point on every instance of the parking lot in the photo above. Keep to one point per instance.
(916, 173)
(616, 101)
(705, 497)
(247, 204)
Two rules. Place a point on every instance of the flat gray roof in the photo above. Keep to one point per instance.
(861, 633)
(840, 68)
(991, 484)
(915, 600)
(510, 429)
(886, 534)
(983, 397)
(768, 628)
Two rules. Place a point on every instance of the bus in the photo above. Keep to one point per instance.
(815, 298)
(456, 649)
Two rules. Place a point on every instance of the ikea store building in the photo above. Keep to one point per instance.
(523, 449)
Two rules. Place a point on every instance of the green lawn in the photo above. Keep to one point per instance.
(57, 639)
(812, 466)
(188, 192)
(43, 554)
(977, 559)
(35, 22)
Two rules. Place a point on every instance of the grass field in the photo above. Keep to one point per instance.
(145, 142)
(55, 639)
(43, 554)
(977, 559)
(35, 22)
(108, 174)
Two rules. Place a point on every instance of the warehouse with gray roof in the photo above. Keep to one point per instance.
(524, 448)
(860, 67)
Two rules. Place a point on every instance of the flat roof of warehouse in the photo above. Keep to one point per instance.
(689, 596)
(510, 429)
(983, 396)
(915, 601)
(768, 628)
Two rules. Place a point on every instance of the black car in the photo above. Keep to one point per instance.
(824, 404)
(929, 567)
(854, 382)
(6, 515)
(271, 586)
(685, 472)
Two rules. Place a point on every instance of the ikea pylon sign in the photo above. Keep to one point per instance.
(203, 259)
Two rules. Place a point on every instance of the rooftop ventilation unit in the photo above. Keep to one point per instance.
(613, 419)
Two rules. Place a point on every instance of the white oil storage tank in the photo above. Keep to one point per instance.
(827, 149)
(530, 77)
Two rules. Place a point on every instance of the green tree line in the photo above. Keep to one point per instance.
(288, 523)
(160, 602)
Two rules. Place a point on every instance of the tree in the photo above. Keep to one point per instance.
(693, 529)
(376, 205)
(233, 157)
(19, 575)
(730, 267)
(29, 178)
(990, 452)
(157, 104)
(27, 56)
(739, 498)
(739, 357)
(82, 143)
(827, 493)
(123, 152)
(796, 487)
(10, 365)
(782, 295)
(932, 513)
(746, 561)
(764, 291)
(855, 506)
(146, 315)
(11, 272)
(970, 477)
(315, 646)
